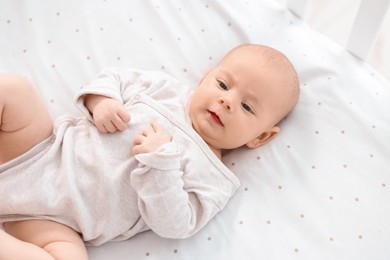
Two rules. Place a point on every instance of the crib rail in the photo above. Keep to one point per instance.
(298, 7)
(365, 28)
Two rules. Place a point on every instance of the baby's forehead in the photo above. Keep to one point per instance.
(248, 70)
(258, 55)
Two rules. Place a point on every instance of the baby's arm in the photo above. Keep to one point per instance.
(109, 115)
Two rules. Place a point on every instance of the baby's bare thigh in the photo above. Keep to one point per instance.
(24, 119)
(61, 241)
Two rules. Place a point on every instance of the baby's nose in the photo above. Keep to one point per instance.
(225, 103)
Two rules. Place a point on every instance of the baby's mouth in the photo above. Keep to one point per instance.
(215, 117)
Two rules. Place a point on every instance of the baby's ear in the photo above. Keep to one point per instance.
(264, 138)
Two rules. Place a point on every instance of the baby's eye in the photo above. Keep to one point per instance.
(247, 107)
(223, 85)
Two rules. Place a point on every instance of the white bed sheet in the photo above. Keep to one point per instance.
(321, 190)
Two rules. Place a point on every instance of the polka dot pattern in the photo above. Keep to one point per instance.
(319, 190)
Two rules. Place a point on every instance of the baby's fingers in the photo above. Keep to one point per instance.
(119, 124)
(138, 146)
(120, 119)
(138, 140)
(156, 127)
(110, 127)
(137, 149)
(124, 115)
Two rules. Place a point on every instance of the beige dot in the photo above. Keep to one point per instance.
(288, 146)
(342, 132)
(258, 157)
(383, 184)
(296, 250)
(241, 222)
(331, 239)
(360, 237)
(233, 163)
(344, 165)
(331, 197)
(280, 187)
(209, 238)
(269, 222)
(302, 215)
(313, 167)
(357, 199)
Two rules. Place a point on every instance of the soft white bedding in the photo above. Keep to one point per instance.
(321, 190)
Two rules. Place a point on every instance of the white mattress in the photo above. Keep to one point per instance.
(320, 190)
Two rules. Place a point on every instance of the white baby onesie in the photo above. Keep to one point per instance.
(91, 182)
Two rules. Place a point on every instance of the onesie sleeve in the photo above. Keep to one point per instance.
(116, 83)
(168, 206)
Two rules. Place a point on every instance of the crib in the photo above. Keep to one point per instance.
(320, 190)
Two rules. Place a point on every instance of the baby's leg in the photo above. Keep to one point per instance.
(24, 119)
(25, 122)
(40, 239)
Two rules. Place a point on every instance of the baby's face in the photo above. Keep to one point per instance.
(236, 102)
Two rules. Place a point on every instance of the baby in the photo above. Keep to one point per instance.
(146, 154)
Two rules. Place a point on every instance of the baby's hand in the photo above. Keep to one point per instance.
(151, 139)
(108, 114)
